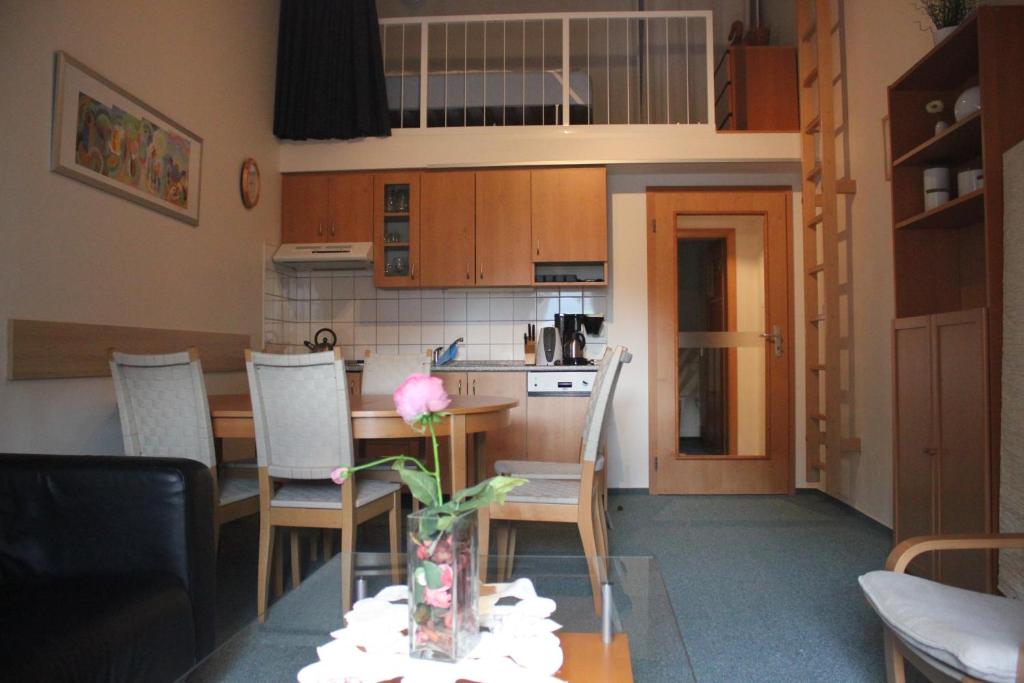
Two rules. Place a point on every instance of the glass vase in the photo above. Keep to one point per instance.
(443, 586)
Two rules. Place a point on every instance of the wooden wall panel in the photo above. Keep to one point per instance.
(39, 349)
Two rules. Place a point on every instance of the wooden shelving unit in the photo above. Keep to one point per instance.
(756, 89)
(947, 333)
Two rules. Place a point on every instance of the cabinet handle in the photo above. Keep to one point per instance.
(931, 451)
(332, 228)
(412, 271)
(538, 247)
(481, 275)
(474, 387)
(320, 229)
(467, 276)
(460, 387)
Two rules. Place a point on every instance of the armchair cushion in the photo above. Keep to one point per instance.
(975, 633)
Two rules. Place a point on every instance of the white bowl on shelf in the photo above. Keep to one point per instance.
(968, 103)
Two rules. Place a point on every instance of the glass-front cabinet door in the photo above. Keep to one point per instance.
(396, 200)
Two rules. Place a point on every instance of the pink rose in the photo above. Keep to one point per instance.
(422, 552)
(339, 475)
(446, 575)
(418, 395)
(437, 597)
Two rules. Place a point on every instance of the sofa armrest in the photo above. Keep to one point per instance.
(72, 516)
(904, 553)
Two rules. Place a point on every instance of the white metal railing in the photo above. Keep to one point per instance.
(573, 68)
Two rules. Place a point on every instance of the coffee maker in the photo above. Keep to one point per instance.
(570, 330)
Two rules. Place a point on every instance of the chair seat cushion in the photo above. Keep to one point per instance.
(327, 495)
(537, 469)
(975, 633)
(550, 491)
(234, 489)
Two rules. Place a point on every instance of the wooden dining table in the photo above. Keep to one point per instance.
(375, 417)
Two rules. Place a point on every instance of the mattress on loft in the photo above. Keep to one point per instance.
(492, 98)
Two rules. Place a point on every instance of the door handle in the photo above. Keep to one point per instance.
(332, 228)
(776, 336)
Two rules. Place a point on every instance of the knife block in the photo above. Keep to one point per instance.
(530, 352)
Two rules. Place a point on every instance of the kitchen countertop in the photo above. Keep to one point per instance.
(492, 366)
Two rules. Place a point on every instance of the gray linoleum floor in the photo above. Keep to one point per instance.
(764, 587)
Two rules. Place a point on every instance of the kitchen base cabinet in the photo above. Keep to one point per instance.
(554, 427)
(941, 439)
(508, 443)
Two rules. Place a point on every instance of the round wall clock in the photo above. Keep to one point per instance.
(250, 183)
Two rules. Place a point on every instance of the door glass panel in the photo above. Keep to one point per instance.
(396, 230)
(722, 354)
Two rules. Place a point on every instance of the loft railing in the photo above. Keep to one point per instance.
(557, 69)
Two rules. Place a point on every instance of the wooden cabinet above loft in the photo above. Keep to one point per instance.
(327, 207)
(458, 228)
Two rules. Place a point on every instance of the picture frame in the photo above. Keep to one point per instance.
(106, 137)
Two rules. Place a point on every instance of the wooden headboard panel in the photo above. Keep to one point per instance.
(39, 349)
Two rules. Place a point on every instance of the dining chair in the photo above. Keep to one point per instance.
(303, 427)
(382, 374)
(948, 634)
(544, 468)
(568, 501)
(164, 412)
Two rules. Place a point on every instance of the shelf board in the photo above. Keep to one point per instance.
(396, 245)
(948, 64)
(960, 141)
(396, 214)
(956, 213)
(571, 284)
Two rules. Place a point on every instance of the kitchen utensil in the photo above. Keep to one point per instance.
(592, 324)
(968, 103)
(550, 347)
(968, 181)
(324, 340)
(572, 349)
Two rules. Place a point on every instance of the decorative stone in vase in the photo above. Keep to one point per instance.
(443, 586)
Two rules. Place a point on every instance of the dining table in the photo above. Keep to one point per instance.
(374, 417)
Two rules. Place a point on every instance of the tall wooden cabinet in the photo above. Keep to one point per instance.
(949, 288)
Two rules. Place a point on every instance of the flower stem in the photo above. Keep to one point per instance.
(390, 458)
(437, 461)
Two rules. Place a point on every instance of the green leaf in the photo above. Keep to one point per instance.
(471, 491)
(432, 573)
(421, 485)
(502, 485)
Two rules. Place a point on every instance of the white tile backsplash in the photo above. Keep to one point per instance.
(491, 320)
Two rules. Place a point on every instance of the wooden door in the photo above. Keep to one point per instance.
(766, 467)
(508, 443)
(303, 208)
(569, 214)
(396, 230)
(350, 207)
(961, 388)
(503, 228)
(915, 440)
(447, 228)
(554, 427)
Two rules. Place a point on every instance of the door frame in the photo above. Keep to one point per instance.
(729, 235)
(755, 474)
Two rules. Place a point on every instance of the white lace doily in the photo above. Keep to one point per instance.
(517, 642)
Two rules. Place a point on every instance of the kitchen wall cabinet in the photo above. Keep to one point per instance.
(554, 427)
(327, 207)
(569, 214)
(941, 439)
(447, 229)
(396, 226)
(503, 228)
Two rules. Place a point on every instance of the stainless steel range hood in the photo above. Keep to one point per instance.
(326, 256)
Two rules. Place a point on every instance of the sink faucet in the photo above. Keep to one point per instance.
(441, 351)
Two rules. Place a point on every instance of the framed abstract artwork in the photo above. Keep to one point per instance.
(107, 138)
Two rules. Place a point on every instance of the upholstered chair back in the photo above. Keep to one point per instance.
(384, 374)
(163, 406)
(300, 413)
(600, 400)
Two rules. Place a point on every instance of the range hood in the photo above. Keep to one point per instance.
(326, 256)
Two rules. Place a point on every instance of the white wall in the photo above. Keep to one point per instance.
(69, 252)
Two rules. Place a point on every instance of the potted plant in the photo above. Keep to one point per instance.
(442, 548)
(945, 15)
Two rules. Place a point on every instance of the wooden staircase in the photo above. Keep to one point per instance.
(821, 191)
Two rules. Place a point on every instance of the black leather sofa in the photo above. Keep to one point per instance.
(107, 568)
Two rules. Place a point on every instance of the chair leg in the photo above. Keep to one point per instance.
(348, 542)
(263, 567)
(600, 532)
(393, 532)
(510, 551)
(296, 562)
(895, 671)
(586, 527)
(483, 540)
(501, 547)
(328, 543)
(314, 539)
(278, 565)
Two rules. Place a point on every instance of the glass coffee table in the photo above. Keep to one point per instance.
(647, 643)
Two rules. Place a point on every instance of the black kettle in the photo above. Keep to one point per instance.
(323, 340)
(572, 349)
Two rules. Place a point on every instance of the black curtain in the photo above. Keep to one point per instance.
(330, 72)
